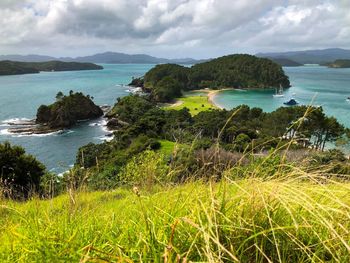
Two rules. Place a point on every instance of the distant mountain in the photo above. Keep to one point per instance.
(27, 58)
(107, 58)
(285, 62)
(310, 56)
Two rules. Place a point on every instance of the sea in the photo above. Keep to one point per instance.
(21, 95)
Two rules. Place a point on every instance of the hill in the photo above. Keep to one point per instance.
(339, 63)
(17, 68)
(310, 56)
(166, 81)
(284, 62)
(105, 58)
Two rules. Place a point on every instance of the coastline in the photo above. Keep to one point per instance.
(211, 94)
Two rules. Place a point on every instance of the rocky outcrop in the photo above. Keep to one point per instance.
(116, 124)
(67, 111)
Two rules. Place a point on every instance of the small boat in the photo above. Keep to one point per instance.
(279, 93)
(348, 99)
(291, 102)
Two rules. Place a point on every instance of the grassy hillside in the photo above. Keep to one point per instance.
(249, 220)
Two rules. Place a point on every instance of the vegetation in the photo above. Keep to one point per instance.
(234, 71)
(195, 104)
(269, 211)
(15, 68)
(221, 186)
(21, 173)
(339, 63)
(285, 62)
(67, 110)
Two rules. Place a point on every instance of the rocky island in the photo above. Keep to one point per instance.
(64, 113)
(17, 68)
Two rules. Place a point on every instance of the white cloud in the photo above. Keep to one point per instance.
(202, 28)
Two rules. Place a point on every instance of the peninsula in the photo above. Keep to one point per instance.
(166, 82)
(8, 67)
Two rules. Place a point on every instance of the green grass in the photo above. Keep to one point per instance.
(167, 147)
(195, 104)
(249, 220)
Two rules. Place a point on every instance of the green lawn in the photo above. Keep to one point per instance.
(195, 104)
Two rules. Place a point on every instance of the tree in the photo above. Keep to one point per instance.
(20, 173)
(59, 95)
(166, 90)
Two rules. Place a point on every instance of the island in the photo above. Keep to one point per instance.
(8, 67)
(339, 63)
(64, 113)
(68, 110)
(166, 82)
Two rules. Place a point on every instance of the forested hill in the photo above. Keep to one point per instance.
(234, 71)
(339, 63)
(16, 68)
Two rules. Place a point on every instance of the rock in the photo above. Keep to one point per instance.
(115, 124)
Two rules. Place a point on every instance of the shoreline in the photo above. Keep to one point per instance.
(211, 94)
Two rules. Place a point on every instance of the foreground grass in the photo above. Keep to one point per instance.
(250, 220)
(195, 104)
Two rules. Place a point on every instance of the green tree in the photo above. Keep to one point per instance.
(20, 173)
(59, 95)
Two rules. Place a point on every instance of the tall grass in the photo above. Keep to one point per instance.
(282, 218)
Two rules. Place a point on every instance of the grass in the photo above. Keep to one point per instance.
(195, 104)
(167, 147)
(291, 219)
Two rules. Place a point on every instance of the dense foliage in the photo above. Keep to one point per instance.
(234, 71)
(67, 110)
(20, 173)
(16, 68)
(237, 131)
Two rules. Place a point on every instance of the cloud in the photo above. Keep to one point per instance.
(201, 28)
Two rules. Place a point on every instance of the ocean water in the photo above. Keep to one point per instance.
(315, 85)
(21, 96)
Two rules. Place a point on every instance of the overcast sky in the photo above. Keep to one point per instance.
(171, 28)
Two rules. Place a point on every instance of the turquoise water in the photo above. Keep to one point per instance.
(314, 85)
(22, 95)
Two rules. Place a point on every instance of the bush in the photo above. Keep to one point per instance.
(20, 173)
(145, 170)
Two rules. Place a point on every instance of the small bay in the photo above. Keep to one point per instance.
(315, 85)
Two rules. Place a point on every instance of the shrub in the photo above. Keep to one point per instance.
(145, 170)
(20, 173)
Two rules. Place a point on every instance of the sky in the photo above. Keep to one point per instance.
(171, 28)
